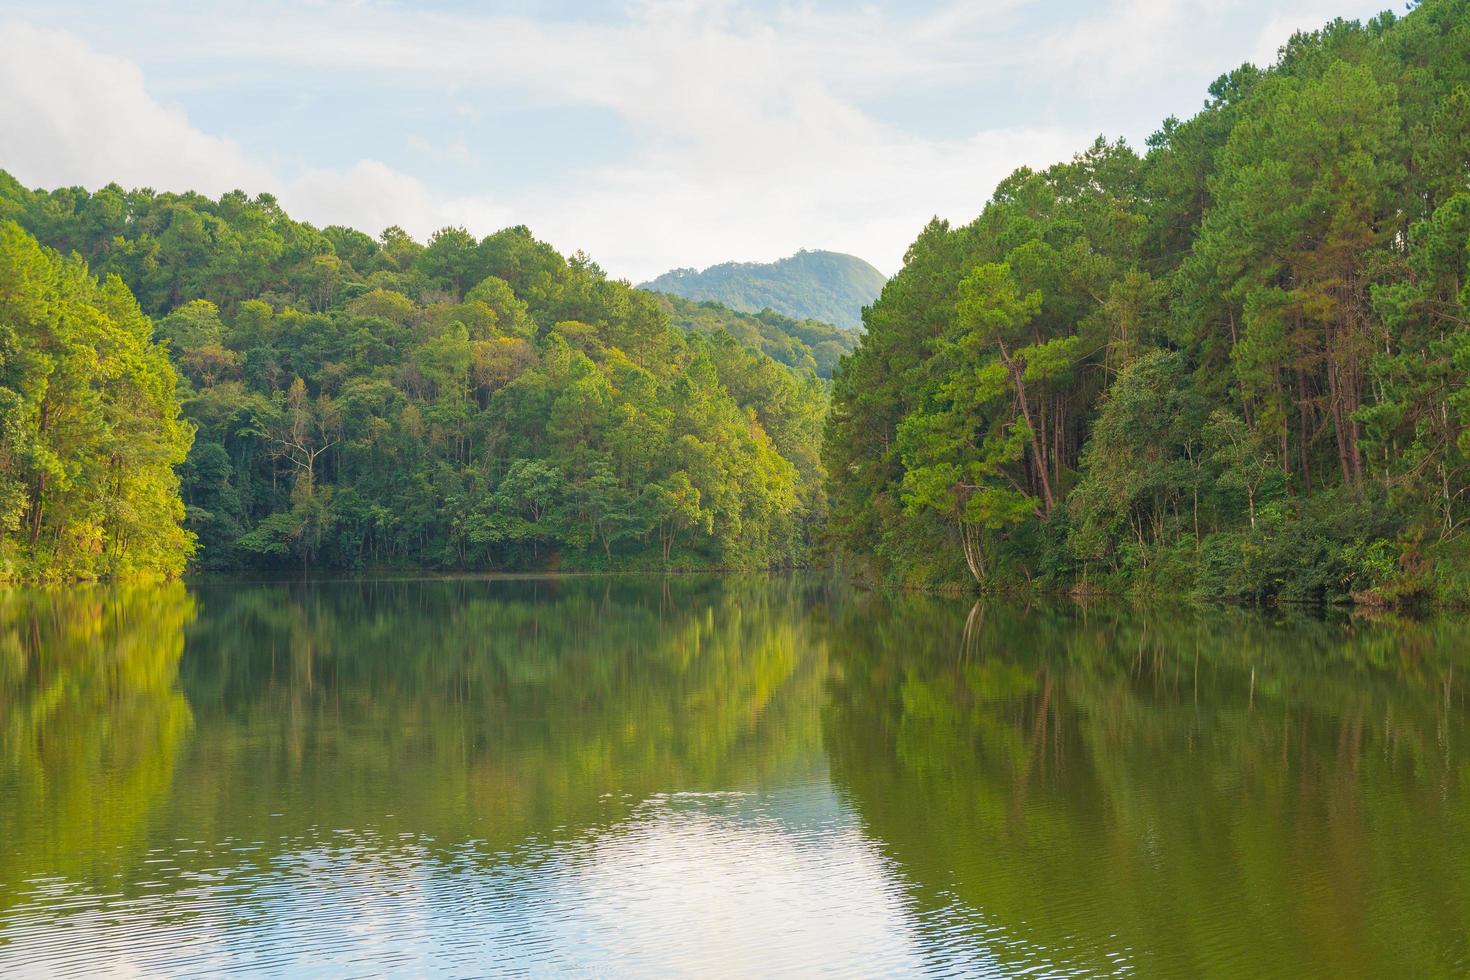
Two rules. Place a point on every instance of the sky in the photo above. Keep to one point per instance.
(650, 134)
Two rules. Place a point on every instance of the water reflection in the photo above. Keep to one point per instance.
(1175, 794)
(731, 776)
(498, 711)
(91, 725)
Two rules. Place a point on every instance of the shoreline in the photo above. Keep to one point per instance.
(1358, 602)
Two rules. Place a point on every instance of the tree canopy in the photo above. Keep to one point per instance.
(90, 427)
(1234, 363)
(460, 404)
(801, 344)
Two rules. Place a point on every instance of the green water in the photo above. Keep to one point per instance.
(722, 777)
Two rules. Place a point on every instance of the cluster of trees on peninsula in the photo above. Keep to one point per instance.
(356, 402)
(1235, 363)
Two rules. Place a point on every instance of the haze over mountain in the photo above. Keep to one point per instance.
(828, 286)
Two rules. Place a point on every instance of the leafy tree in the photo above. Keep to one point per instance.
(1238, 361)
(1142, 467)
(91, 432)
(1243, 456)
(465, 404)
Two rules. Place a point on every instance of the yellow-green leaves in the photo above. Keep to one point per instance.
(92, 433)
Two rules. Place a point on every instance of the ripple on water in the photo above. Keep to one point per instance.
(690, 883)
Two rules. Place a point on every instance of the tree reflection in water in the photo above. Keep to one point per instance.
(1190, 793)
(1072, 788)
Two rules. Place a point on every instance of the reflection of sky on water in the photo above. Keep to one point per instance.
(356, 784)
(691, 884)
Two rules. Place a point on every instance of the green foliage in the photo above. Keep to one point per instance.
(1325, 549)
(801, 344)
(1236, 364)
(824, 286)
(1141, 469)
(90, 431)
(463, 404)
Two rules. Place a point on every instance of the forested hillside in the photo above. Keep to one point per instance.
(89, 425)
(465, 404)
(803, 344)
(826, 286)
(1233, 364)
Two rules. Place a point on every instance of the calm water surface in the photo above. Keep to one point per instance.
(640, 777)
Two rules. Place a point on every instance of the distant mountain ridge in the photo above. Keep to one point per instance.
(811, 285)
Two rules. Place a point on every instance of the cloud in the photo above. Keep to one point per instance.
(751, 128)
(369, 195)
(75, 116)
(72, 115)
(745, 159)
(1106, 47)
(869, 197)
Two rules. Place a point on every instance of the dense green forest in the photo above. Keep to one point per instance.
(90, 433)
(612, 672)
(826, 286)
(465, 404)
(804, 344)
(1233, 364)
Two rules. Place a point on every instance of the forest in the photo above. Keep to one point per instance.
(829, 287)
(1231, 365)
(812, 345)
(357, 402)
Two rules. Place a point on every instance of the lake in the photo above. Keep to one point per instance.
(689, 776)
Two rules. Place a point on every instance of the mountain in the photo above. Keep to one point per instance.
(828, 286)
(801, 344)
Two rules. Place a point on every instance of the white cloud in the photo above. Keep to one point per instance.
(745, 159)
(869, 197)
(71, 115)
(752, 130)
(1124, 44)
(370, 196)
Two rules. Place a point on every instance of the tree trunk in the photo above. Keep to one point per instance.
(1304, 438)
(1339, 422)
(38, 509)
(1038, 447)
